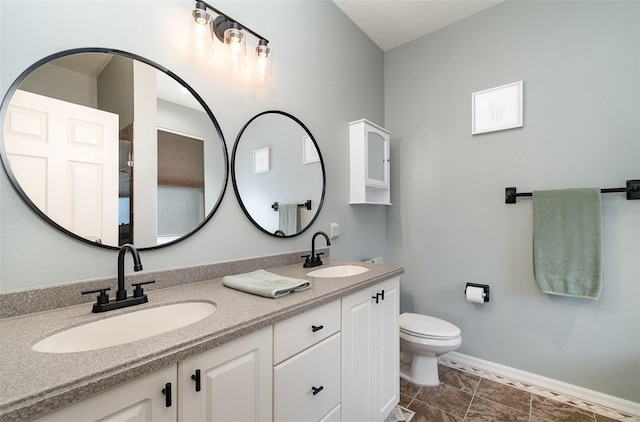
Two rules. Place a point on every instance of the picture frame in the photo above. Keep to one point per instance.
(309, 151)
(498, 108)
(262, 160)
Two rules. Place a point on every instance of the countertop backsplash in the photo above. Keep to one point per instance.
(53, 297)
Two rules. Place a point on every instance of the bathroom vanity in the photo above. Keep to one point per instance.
(328, 353)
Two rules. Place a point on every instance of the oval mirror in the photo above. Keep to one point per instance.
(278, 174)
(111, 148)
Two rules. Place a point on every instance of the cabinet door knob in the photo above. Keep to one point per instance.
(316, 390)
(167, 393)
(196, 378)
(315, 328)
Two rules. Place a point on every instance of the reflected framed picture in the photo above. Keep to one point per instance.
(261, 160)
(498, 108)
(309, 151)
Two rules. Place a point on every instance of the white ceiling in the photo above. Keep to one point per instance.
(390, 23)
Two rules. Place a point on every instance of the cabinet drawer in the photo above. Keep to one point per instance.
(295, 334)
(295, 379)
(333, 415)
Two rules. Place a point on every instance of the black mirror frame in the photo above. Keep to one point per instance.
(16, 185)
(235, 185)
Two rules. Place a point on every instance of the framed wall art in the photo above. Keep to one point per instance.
(497, 108)
(261, 160)
(309, 151)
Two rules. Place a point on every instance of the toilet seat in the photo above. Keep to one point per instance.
(427, 327)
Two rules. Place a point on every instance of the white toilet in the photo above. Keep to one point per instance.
(422, 339)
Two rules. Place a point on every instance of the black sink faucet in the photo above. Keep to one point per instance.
(314, 260)
(103, 303)
(121, 294)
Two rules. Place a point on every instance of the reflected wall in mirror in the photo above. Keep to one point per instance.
(285, 197)
(112, 148)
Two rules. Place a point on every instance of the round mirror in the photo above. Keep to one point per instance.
(278, 174)
(112, 148)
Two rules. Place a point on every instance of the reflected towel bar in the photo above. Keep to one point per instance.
(632, 190)
(306, 205)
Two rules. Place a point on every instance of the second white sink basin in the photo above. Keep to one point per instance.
(338, 271)
(125, 328)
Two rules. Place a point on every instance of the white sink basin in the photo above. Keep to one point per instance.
(125, 328)
(338, 271)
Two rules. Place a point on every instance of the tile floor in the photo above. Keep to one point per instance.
(462, 396)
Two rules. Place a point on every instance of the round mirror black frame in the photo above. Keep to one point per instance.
(235, 185)
(5, 162)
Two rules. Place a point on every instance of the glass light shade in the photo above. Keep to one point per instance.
(264, 61)
(201, 16)
(236, 44)
(201, 42)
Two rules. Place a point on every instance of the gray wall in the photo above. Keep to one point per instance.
(580, 62)
(318, 77)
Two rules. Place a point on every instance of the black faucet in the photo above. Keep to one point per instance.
(314, 260)
(121, 294)
(122, 300)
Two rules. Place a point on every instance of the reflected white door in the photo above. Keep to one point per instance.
(65, 157)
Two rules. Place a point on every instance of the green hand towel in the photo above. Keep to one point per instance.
(567, 242)
(289, 218)
(264, 283)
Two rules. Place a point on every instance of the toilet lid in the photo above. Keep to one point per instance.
(427, 326)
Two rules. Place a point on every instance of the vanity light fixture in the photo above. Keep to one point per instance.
(233, 35)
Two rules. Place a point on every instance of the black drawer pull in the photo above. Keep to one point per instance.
(196, 378)
(382, 295)
(167, 392)
(315, 328)
(316, 390)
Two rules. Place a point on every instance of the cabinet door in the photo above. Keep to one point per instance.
(235, 381)
(387, 348)
(370, 353)
(141, 400)
(376, 158)
(358, 357)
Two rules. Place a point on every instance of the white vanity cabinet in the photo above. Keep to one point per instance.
(337, 362)
(306, 375)
(139, 400)
(370, 352)
(369, 163)
(234, 381)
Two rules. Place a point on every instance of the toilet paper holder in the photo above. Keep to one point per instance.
(484, 287)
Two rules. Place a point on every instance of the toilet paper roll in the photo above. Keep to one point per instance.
(475, 294)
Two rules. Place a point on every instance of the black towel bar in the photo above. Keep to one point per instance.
(306, 205)
(632, 190)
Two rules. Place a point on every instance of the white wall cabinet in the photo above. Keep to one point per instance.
(370, 352)
(369, 163)
(235, 381)
(137, 401)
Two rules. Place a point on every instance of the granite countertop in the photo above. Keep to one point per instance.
(34, 383)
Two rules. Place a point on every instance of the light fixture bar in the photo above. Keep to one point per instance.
(227, 17)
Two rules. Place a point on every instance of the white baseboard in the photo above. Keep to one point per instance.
(556, 389)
